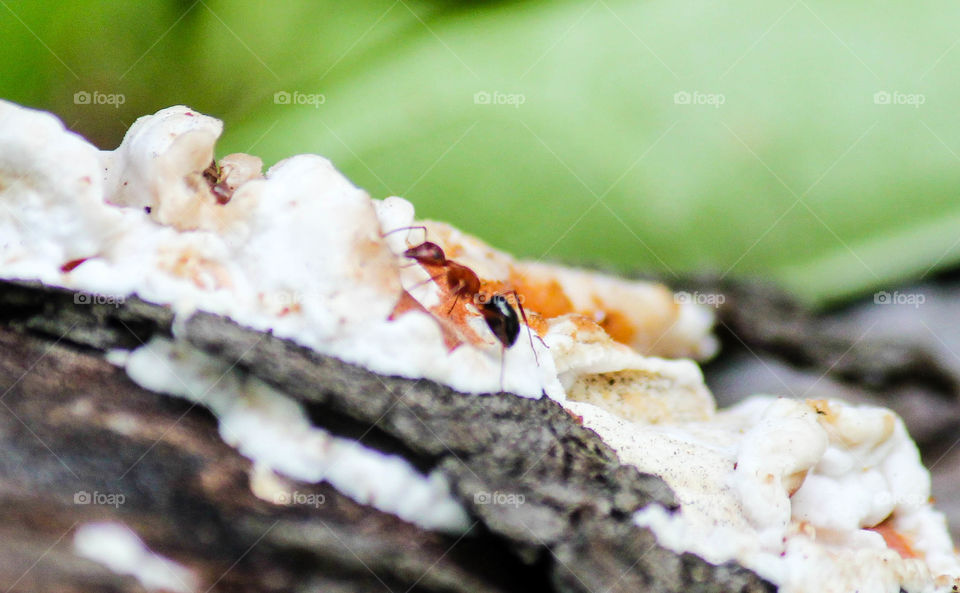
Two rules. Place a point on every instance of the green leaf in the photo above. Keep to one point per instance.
(788, 167)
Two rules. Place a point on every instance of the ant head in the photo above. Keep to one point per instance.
(427, 253)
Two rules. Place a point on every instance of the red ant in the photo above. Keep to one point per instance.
(497, 311)
(462, 280)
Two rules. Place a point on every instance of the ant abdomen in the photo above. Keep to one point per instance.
(502, 319)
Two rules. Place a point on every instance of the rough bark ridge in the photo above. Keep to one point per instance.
(71, 423)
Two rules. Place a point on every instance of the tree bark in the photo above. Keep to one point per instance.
(72, 423)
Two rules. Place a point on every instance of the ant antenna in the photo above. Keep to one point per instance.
(407, 228)
(422, 282)
(523, 314)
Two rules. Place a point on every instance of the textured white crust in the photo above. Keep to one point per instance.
(300, 251)
(789, 488)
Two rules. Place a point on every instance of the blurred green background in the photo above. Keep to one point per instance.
(809, 142)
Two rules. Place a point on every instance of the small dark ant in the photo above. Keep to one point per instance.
(496, 309)
(216, 177)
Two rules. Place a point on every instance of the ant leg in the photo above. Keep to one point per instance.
(455, 301)
(422, 282)
(523, 315)
(503, 356)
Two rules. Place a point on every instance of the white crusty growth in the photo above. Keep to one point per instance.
(299, 250)
(160, 165)
(595, 369)
(801, 492)
(51, 194)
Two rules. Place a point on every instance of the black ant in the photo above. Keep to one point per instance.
(496, 309)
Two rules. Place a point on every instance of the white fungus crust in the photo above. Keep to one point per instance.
(800, 492)
(815, 496)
